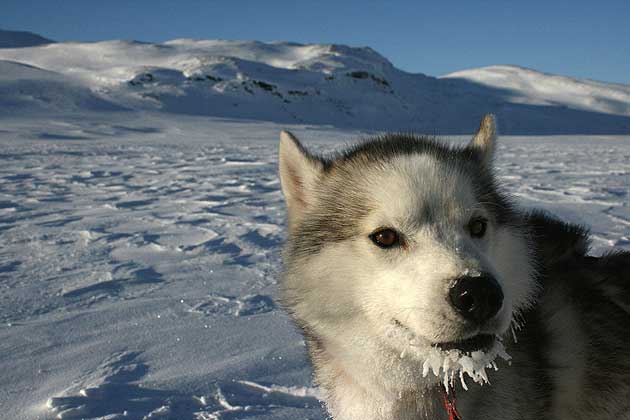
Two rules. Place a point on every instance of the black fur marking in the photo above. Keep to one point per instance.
(556, 240)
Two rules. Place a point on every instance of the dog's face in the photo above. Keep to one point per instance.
(404, 244)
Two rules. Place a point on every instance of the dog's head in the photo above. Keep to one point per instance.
(405, 244)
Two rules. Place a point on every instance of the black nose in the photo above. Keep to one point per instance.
(476, 298)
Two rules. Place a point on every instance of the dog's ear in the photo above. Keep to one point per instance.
(484, 141)
(299, 172)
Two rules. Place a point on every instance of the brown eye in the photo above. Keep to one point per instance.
(477, 227)
(385, 238)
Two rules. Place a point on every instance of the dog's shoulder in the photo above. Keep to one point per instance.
(584, 310)
(562, 251)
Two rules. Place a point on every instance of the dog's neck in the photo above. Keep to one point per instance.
(367, 396)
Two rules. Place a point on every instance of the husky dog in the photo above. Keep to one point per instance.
(414, 277)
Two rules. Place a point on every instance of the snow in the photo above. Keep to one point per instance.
(139, 261)
(528, 86)
(20, 39)
(140, 243)
(291, 83)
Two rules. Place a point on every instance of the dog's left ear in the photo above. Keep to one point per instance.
(484, 141)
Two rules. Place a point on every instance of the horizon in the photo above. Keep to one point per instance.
(578, 39)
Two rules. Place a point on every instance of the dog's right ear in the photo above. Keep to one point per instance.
(299, 172)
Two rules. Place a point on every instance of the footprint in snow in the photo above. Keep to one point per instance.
(111, 392)
(233, 306)
(245, 399)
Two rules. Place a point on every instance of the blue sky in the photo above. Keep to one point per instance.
(579, 38)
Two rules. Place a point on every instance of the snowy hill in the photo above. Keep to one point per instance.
(532, 87)
(293, 83)
(24, 88)
(19, 39)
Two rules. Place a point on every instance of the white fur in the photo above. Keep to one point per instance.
(349, 292)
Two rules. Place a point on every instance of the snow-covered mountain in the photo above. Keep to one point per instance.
(295, 83)
(19, 39)
(532, 87)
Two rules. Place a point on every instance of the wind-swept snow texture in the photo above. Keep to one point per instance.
(139, 259)
(140, 239)
(301, 84)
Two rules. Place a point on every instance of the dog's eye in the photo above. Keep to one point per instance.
(385, 238)
(477, 227)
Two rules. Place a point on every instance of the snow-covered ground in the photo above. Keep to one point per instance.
(139, 260)
(141, 223)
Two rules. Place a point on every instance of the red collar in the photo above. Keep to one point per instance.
(448, 397)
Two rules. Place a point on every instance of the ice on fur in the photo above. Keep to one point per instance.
(453, 364)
